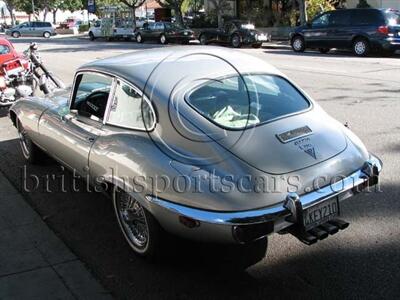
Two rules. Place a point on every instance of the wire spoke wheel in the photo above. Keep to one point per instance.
(133, 220)
(235, 41)
(23, 141)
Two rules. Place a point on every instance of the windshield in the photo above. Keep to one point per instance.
(237, 102)
(248, 26)
(393, 18)
(4, 49)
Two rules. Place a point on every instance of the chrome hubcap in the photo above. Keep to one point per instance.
(139, 38)
(162, 39)
(133, 220)
(360, 47)
(297, 44)
(235, 41)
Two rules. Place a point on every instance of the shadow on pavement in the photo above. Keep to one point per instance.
(86, 223)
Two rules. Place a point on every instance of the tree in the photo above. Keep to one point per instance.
(11, 4)
(315, 7)
(363, 4)
(55, 5)
(220, 6)
(133, 5)
(176, 6)
(303, 11)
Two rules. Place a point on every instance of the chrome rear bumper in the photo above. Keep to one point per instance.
(218, 226)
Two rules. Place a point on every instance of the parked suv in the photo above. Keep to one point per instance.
(360, 30)
(44, 29)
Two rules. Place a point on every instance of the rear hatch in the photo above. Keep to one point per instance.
(290, 144)
(393, 22)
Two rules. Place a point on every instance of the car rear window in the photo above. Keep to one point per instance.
(392, 18)
(4, 49)
(237, 102)
(367, 17)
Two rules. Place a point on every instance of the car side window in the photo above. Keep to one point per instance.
(130, 109)
(159, 26)
(340, 18)
(91, 95)
(321, 21)
(24, 25)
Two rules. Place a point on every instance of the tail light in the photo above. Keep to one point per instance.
(12, 65)
(3, 84)
(383, 30)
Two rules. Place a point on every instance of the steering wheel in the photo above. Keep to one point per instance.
(95, 103)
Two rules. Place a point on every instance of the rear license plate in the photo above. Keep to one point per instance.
(321, 213)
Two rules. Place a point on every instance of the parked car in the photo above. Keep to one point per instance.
(36, 28)
(361, 30)
(164, 32)
(13, 67)
(204, 116)
(234, 33)
(111, 28)
(71, 23)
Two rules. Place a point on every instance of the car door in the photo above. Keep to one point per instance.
(25, 29)
(158, 30)
(69, 136)
(316, 34)
(147, 29)
(339, 29)
(38, 28)
(224, 34)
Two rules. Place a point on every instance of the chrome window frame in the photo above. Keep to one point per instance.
(143, 97)
(74, 86)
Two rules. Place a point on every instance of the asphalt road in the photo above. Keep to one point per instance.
(361, 262)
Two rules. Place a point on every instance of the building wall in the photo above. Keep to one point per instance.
(376, 3)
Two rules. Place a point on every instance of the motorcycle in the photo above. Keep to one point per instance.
(20, 77)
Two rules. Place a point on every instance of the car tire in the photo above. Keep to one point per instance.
(140, 229)
(298, 44)
(32, 153)
(324, 50)
(16, 34)
(46, 35)
(203, 39)
(163, 39)
(139, 38)
(91, 36)
(361, 47)
(235, 41)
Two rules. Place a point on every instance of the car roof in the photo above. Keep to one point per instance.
(139, 66)
(4, 41)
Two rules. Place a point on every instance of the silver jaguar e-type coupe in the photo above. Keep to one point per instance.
(206, 143)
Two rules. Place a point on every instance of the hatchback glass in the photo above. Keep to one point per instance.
(237, 102)
(392, 18)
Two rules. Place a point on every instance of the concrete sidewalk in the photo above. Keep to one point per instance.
(34, 262)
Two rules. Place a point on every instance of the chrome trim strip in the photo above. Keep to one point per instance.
(341, 188)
